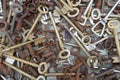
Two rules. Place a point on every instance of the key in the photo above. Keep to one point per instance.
(114, 24)
(59, 39)
(77, 41)
(103, 21)
(20, 71)
(70, 22)
(44, 18)
(36, 21)
(16, 9)
(84, 16)
(38, 40)
(4, 29)
(30, 63)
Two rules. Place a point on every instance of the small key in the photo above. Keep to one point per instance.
(16, 8)
(103, 21)
(114, 24)
(36, 21)
(59, 39)
(84, 16)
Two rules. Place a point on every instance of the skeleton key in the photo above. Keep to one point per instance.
(103, 21)
(84, 16)
(37, 19)
(59, 39)
(114, 24)
(16, 8)
(3, 28)
(30, 63)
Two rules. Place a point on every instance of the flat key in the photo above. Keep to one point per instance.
(103, 21)
(16, 8)
(84, 16)
(59, 39)
(114, 24)
(36, 21)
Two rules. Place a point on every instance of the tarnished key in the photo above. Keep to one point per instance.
(36, 21)
(84, 16)
(103, 21)
(114, 24)
(59, 39)
(16, 8)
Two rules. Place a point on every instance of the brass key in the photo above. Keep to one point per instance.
(114, 24)
(36, 21)
(22, 44)
(30, 63)
(59, 39)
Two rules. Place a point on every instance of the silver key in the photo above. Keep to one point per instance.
(103, 21)
(16, 8)
(85, 13)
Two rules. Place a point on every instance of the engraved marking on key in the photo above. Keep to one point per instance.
(103, 21)
(36, 21)
(114, 24)
(59, 39)
(84, 16)
(16, 8)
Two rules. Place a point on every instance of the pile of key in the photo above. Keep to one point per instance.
(59, 39)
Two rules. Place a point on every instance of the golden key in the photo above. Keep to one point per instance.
(38, 40)
(30, 63)
(59, 39)
(36, 21)
(114, 24)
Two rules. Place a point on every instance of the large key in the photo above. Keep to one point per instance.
(103, 21)
(84, 16)
(36, 21)
(30, 63)
(59, 39)
(114, 24)
(39, 40)
(16, 8)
